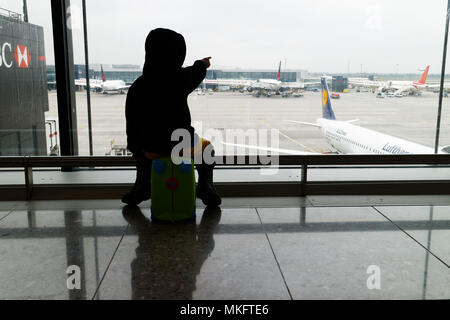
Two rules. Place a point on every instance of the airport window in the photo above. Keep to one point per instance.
(243, 90)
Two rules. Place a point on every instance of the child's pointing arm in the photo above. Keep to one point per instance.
(196, 74)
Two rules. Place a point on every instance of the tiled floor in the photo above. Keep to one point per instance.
(283, 248)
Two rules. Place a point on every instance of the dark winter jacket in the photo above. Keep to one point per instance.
(157, 101)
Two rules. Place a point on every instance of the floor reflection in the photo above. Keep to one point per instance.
(38, 246)
(169, 256)
(427, 255)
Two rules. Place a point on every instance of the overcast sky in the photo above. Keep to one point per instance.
(319, 36)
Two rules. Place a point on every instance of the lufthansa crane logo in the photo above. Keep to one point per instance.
(324, 98)
(22, 56)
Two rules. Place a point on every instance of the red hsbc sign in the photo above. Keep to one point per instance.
(22, 56)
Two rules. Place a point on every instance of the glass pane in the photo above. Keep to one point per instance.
(381, 62)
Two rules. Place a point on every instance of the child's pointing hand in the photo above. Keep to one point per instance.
(207, 62)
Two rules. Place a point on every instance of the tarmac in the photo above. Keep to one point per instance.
(412, 118)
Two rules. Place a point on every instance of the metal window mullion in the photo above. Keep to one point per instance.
(64, 65)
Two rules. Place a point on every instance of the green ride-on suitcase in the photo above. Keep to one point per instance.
(173, 190)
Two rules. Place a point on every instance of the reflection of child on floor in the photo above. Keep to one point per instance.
(170, 256)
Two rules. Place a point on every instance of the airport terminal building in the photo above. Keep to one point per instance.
(256, 74)
(129, 73)
(126, 72)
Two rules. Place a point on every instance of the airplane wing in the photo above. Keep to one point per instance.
(293, 85)
(265, 85)
(365, 83)
(401, 89)
(229, 82)
(311, 84)
(96, 82)
(93, 83)
(304, 123)
(80, 82)
(433, 86)
(273, 150)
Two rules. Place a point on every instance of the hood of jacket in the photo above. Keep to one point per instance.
(165, 52)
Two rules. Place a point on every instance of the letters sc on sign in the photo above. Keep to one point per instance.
(4, 48)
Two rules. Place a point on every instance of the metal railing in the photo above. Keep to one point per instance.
(303, 163)
(11, 14)
(225, 161)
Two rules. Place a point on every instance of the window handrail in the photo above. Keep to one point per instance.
(118, 161)
(302, 161)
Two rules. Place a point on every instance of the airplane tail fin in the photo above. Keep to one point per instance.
(327, 110)
(279, 72)
(103, 74)
(424, 77)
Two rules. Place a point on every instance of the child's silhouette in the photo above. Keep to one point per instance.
(157, 105)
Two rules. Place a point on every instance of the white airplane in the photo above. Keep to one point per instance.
(397, 86)
(106, 86)
(347, 138)
(268, 85)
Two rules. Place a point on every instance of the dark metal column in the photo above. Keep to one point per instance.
(65, 83)
(88, 86)
(441, 91)
(25, 11)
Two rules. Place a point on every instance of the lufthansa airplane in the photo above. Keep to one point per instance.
(347, 138)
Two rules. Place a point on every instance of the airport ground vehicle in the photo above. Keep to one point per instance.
(200, 92)
(335, 95)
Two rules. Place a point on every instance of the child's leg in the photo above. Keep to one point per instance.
(205, 189)
(143, 175)
(141, 190)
